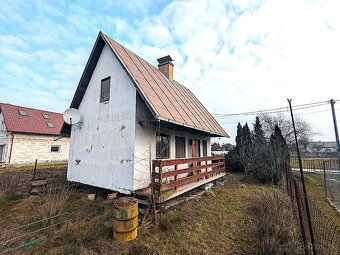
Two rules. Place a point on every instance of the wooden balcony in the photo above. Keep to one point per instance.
(172, 177)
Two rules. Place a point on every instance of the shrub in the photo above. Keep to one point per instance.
(232, 163)
(54, 201)
(271, 229)
(9, 185)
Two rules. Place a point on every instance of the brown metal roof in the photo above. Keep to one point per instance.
(170, 100)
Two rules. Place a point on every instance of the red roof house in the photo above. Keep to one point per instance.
(27, 134)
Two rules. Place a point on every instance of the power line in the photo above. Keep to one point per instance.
(327, 110)
(273, 110)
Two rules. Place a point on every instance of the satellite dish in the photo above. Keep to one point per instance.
(72, 116)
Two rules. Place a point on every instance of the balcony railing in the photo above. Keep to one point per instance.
(170, 174)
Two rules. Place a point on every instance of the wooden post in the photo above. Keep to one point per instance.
(176, 167)
(300, 211)
(35, 169)
(324, 179)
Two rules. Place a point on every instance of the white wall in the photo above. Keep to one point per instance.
(104, 145)
(4, 140)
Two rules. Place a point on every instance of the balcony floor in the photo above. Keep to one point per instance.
(169, 194)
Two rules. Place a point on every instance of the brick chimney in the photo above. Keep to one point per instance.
(166, 66)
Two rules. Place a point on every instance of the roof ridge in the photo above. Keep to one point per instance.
(173, 80)
(30, 108)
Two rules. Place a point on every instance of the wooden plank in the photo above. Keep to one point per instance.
(170, 162)
(190, 169)
(185, 180)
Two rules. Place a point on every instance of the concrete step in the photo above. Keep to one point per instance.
(143, 202)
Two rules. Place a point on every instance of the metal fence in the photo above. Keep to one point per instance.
(326, 232)
(329, 167)
(32, 233)
(324, 235)
(315, 164)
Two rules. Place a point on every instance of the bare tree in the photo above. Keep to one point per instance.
(304, 130)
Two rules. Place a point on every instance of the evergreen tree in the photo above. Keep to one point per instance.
(259, 137)
(238, 137)
(279, 155)
(260, 163)
(244, 146)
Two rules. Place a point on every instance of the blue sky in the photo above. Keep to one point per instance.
(236, 56)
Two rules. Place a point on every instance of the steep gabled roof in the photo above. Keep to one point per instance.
(167, 99)
(33, 123)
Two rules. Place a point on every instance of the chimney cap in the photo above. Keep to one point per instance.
(165, 59)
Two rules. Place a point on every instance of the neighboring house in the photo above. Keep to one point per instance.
(132, 115)
(322, 147)
(27, 134)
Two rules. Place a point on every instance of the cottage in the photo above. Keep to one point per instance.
(139, 126)
(28, 134)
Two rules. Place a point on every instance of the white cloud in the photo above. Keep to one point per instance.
(234, 55)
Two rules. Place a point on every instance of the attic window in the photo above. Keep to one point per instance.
(22, 112)
(46, 116)
(50, 124)
(105, 90)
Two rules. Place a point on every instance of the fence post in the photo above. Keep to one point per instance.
(324, 179)
(300, 211)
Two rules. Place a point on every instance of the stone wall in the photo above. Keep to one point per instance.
(21, 179)
(28, 147)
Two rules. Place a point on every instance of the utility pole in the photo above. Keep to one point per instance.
(335, 130)
(302, 180)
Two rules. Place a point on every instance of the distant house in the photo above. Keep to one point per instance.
(217, 149)
(134, 116)
(322, 147)
(27, 134)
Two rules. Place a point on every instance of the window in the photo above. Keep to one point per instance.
(105, 90)
(180, 147)
(2, 152)
(22, 112)
(162, 146)
(205, 153)
(46, 116)
(55, 148)
(50, 124)
(2, 125)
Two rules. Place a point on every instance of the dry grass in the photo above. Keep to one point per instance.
(208, 225)
(54, 201)
(31, 167)
(270, 227)
(8, 185)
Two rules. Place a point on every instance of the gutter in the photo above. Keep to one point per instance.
(10, 152)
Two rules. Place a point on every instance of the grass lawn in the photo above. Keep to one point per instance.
(208, 225)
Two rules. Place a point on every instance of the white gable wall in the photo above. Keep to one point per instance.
(4, 140)
(102, 150)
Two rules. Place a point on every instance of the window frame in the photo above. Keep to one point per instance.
(46, 116)
(159, 155)
(177, 152)
(22, 112)
(50, 123)
(205, 148)
(2, 153)
(55, 146)
(103, 82)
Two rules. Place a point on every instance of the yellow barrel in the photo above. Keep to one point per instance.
(125, 219)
